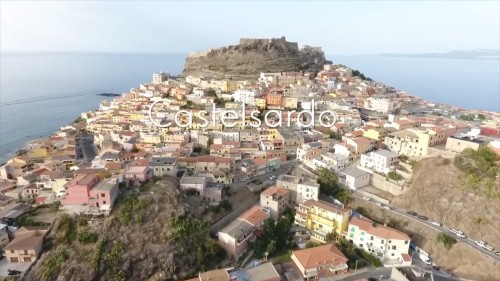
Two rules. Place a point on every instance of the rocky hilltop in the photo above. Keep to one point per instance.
(252, 56)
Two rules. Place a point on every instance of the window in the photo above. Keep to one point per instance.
(394, 247)
(371, 238)
(104, 202)
(103, 195)
(406, 242)
(390, 241)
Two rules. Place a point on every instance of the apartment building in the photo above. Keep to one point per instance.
(407, 143)
(26, 245)
(300, 189)
(320, 263)
(380, 161)
(322, 218)
(384, 242)
(164, 166)
(234, 237)
(380, 105)
(354, 178)
(276, 199)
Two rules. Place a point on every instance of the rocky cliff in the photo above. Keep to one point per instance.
(252, 56)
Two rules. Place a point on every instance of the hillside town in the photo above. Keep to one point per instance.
(303, 178)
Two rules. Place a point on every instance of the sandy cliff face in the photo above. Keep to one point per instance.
(253, 56)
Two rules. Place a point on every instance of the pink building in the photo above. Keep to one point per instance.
(138, 172)
(104, 194)
(78, 189)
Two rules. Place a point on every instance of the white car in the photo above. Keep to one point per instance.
(483, 245)
(366, 198)
(458, 233)
(436, 223)
(273, 177)
(243, 179)
(425, 259)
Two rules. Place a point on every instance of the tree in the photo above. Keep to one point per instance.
(447, 240)
(271, 247)
(343, 196)
(327, 181)
(331, 237)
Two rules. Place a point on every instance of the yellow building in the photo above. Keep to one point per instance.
(260, 103)
(229, 86)
(322, 218)
(137, 116)
(375, 134)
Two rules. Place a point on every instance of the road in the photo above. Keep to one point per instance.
(87, 147)
(444, 229)
(371, 273)
(284, 169)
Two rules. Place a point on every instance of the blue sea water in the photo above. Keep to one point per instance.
(471, 84)
(40, 92)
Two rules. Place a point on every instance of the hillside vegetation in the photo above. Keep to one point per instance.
(149, 236)
(463, 193)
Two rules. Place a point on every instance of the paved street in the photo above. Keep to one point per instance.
(445, 229)
(365, 274)
(285, 168)
(87, 147)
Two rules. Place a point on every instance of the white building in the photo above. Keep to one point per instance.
(354, 178)
(194, 183)
(381, 105)
(246, 96)
(335, 162)
(383, 242)
(230, 135)
(300, 189)
(381, 161)
(159, 78)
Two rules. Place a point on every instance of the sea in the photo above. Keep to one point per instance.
(40, 92)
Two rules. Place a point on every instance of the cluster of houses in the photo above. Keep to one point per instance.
(318, 219)
(374, 127)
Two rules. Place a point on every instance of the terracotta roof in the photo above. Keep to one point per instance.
(83, 179)
(325, 206)
(326, 254)
(275, 190)
(255, 215)
(379, 230)
(27, 237)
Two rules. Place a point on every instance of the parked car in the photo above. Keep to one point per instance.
(366, 198)
(425, 259)
(243, 179)
(458, 233)
(386, 207)
(483, 245)
(497, 253)
(436, 223)
(273, 177)
(424, 218)
(411, 213)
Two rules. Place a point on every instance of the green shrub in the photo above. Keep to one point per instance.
(447, 240)
(394, 176)
(87, 237)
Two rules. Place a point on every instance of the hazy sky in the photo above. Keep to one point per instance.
(168, 26)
